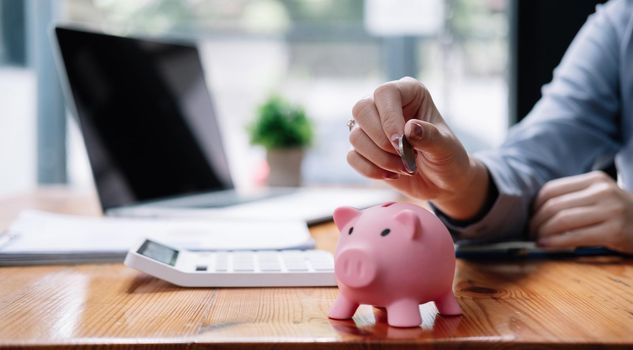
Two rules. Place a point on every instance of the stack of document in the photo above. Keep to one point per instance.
(38, 237)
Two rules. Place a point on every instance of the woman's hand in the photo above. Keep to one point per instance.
(455, 182)
(584, 210)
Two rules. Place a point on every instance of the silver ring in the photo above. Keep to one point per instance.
(351, 124)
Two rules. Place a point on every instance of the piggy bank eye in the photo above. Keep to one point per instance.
(385, 232)
(351, 229)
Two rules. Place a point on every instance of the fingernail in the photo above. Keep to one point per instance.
(543, 242)
(391, 176)
(395, 140)
(417, 132)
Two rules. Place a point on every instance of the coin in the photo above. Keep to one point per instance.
(407, 153)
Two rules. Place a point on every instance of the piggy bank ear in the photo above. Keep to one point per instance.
(411, 222)
(343, 215)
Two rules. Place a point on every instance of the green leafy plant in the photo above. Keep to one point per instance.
(280, 124)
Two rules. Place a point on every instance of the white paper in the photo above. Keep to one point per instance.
(37, 231)
(307, 204)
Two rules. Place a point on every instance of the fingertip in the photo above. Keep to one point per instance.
(543, 242)
(395, 142)
(421, 135)
(539, 200)
(563, 240)
(414, 130)
(350, 154)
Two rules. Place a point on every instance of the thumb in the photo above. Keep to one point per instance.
(429, 140)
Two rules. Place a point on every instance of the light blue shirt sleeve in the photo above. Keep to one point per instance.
(573, 127)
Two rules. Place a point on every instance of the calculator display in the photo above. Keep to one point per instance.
(159, 252)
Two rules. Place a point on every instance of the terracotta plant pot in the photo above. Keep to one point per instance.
(285, 166)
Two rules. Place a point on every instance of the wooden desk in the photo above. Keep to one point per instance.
(539, 304)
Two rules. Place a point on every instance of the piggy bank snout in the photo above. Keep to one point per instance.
(355, 268)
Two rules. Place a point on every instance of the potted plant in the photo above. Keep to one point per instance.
(285, 131)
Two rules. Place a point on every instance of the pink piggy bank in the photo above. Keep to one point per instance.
(394, 256)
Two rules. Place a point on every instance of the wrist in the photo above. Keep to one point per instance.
(468, 199)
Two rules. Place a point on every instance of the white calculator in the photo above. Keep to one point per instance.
(264, 268)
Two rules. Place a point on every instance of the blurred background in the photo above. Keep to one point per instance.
(483, 61)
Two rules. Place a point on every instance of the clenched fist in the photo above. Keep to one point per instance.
(455, 182)
(584, 210)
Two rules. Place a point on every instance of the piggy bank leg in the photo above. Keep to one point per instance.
(447, 305)
(343, 308)
(404, 313)
(380, 314)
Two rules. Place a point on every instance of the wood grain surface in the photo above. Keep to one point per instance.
(581, 303)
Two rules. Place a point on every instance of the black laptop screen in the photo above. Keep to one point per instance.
(146, 117)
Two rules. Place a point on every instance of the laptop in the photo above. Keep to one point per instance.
(153, 138)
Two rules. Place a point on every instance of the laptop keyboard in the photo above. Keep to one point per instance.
(230, 198)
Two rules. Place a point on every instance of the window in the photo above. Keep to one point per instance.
(17, 98)
(325, 55)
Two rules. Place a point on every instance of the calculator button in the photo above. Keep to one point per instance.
(221, 262)
(297, 267)
(270, 267)
(243, 262)
(267, 256)
(323, 267)
(268, 261)
(244, 268)
(295, 263)
(321, 262)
